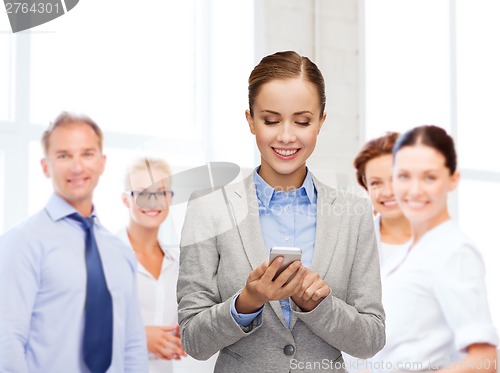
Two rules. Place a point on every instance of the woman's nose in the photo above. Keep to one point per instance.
(286, 133)
(415, 187)
(387, 190)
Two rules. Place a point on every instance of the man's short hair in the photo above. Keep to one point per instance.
(66, 119)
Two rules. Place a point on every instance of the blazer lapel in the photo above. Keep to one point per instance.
(328, 222)
(245, 208)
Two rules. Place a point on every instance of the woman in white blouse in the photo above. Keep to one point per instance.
(147, 197)
(373, 166)
(434, 296)
(374, 173)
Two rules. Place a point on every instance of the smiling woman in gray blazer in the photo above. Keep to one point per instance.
(228, 301)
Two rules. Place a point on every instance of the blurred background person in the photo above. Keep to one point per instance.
(147, 197)
(67, 285)
(374, 173)
(373, 166)
(435, 296)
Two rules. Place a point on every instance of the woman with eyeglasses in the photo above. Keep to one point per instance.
(147, 197)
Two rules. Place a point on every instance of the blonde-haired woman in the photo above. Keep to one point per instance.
(147, 197)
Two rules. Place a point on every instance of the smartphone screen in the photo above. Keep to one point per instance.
(289, 254)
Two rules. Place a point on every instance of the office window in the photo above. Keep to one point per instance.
(161, 81)
(431, 62)
(132, 75)
(478, 201)
(231, 138)
(40, 186)
(407, 65)
(6, 77)
(478, 84)
(2, 191)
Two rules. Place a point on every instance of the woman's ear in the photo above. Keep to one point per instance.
(126, 200)
(250, 121)
(321, 121)
(455, 178)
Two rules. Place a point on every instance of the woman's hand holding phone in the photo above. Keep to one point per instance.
(311, 292)
(260, 287)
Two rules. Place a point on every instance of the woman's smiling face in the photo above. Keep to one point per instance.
(155, 211)
(286, 122)
(421, 184)
(378, 176)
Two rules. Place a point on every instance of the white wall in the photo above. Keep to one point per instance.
(326, 31)
(330, 32)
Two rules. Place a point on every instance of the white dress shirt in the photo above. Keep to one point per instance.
(157, 297)
(435, 303)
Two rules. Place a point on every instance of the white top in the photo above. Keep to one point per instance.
(158, 298)
(388, 252)
(435, 303)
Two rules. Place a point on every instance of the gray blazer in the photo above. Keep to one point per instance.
(222, 242)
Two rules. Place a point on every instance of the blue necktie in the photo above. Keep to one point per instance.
(98, 328)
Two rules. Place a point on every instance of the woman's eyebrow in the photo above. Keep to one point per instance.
(296, 113)
(270, 112)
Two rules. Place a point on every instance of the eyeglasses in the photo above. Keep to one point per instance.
(146, 199)
(149, 195)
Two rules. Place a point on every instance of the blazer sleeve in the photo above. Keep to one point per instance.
(356, 326)
(205, 319)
